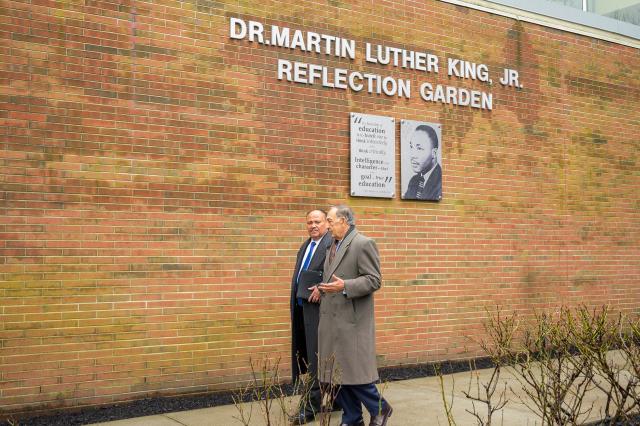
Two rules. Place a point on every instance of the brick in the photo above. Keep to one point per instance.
(152, 191)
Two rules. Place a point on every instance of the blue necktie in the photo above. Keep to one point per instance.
(305, 265)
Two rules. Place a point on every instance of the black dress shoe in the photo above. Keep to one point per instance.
(381, 419)
(360, 423)
(301, 418)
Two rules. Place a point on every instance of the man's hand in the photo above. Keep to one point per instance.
(315, 294)
(335, 286)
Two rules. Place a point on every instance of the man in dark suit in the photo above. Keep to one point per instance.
(347, 348)
(426, 184)
(305, 312)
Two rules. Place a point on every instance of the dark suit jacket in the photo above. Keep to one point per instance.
(432, 188)
(300, 356)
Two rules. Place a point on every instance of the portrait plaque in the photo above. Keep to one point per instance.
(373, 151)
(421, 160)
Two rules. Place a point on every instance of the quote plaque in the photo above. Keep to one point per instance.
(373, 150)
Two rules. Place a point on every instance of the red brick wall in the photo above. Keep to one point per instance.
(155, 174)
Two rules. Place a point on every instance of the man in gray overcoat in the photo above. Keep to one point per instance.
(346, 333)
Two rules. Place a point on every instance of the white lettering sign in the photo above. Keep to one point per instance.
(374, 83)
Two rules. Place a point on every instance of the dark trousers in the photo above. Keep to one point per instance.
(309, 317)
(352, 397)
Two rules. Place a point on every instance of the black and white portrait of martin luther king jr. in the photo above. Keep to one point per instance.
(421, 161)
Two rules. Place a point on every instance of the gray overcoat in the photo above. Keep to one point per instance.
(346, 334)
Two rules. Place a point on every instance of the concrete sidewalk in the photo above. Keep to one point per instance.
(415, 402)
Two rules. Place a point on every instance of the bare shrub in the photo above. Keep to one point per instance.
(263, 390)
(329, 390)
(448, 403)
(499, 346)
(554, 378)
(603, 334)
(265, 397)
(631, 349)
(559, 358)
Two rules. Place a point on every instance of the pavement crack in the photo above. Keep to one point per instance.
(175, 420)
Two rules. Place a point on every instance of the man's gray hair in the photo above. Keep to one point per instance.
(342, 210)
